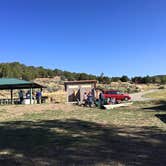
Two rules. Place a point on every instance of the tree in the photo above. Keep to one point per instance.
(163, 80)
(83, 76)
(104, 79)
(115, 79)
(137, 79)
(58, 72)
(124, 78)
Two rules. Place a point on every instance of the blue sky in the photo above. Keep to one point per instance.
(116, 37)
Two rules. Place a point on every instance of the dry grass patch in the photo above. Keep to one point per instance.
(160, 95)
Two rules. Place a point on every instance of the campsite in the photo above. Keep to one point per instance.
(64, 133)
(82, 83)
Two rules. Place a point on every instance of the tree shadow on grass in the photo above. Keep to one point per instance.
(162, 117)
(78, 142)
(160, 106)
(160, 109)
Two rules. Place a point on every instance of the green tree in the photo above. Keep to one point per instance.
(115, 79)
(124, 78)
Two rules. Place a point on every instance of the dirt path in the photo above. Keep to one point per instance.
(139, 96)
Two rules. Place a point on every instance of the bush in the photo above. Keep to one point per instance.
(129, 90)
(161, 87)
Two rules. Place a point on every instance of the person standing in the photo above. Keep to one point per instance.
(90, 99)
(101, 99)
(38, 97)
(85, 98)
(21, 96)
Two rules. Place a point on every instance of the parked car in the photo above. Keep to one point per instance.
(115, 94)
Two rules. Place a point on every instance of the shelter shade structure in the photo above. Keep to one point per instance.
(76, 89)
(13, 83)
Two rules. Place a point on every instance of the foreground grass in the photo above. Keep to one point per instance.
(83, 136)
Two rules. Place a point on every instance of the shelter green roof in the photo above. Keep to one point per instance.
(14, 83)
(9, 81)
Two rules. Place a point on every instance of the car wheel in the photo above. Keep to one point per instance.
(126, 99)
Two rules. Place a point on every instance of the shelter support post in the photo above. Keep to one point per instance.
(67, 97)
(31, 96)
(11, 92)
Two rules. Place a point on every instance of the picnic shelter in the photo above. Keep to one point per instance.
(14, 83)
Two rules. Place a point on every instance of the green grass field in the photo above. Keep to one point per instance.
(83, 136)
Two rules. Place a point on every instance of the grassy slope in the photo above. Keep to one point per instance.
(157, 95)
(83, 136)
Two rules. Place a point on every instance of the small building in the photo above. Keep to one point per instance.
(76, 89)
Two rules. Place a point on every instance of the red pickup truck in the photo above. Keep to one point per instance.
(115, 94)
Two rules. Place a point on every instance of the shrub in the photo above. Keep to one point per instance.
(161, 87)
